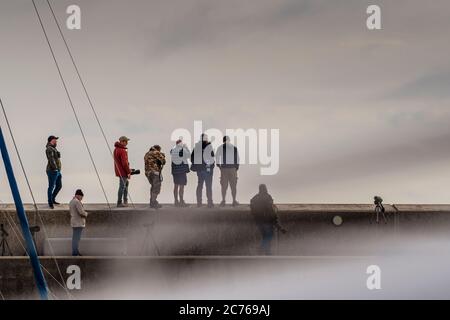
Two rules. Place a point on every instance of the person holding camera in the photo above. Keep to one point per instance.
(266, 218)
(154, 163)
(77, 220)
(180, 168)
(53, 171)
(203, 163)
(122, 169)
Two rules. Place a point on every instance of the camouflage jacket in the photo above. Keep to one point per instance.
(53, 157)
(154, 161)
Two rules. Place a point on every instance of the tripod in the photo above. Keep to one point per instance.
(149, 236)
(4, 246)
(379, 209)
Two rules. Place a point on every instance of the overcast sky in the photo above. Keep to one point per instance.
(359, 112)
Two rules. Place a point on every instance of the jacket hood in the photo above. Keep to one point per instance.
(263, 189)
(119, 145)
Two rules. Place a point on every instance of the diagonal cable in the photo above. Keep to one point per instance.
(85, 89)
(71, 104)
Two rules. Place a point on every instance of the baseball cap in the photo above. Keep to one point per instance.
(52, 138)
(124, 138)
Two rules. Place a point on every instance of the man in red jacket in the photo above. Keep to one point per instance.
(123, 171)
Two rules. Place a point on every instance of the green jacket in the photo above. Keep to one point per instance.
(54, 158)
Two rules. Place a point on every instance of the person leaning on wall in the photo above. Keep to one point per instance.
(266, 218)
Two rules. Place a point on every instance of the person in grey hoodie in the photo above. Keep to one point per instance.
(77, 220)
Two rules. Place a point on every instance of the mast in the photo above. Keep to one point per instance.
(31, 249)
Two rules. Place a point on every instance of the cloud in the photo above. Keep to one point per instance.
(435, 85)
(204, 23)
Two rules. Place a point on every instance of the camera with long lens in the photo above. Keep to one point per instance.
(135, 172)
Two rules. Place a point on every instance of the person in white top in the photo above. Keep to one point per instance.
(77, 220)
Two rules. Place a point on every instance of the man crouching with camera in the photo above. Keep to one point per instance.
(154, 163)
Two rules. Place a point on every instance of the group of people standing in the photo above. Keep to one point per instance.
(203, 161)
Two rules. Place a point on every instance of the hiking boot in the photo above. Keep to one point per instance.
(210, 205)
(177, 203)
(51, 206)
(56, 203)
(183, 204)
(235, 203)
(120, 205)
(222, 204)
(199, 204)
(155, 205)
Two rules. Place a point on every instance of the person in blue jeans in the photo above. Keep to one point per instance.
(202, 158)
(53, 171)
(76, 238)
(77, 220)
(266, 218)
(267, 232)
(205, 177)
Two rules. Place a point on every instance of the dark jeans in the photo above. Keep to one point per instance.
(123, 190)
(267, 232)
(204, 177)
(76, 237)
(155, 182)
(54, 185)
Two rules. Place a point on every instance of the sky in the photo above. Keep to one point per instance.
(359, 112)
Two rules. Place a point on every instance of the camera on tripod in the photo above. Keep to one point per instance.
(4, 246)
(378, 200)
(135, 172)
(379, 209)
(3, 232)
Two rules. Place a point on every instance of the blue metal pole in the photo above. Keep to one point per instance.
(31, 249)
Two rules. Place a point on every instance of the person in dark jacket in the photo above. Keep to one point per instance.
(180, 168)
(122, 169)
(266, 218)
(203, 163)
(227, 159)
(53, 171)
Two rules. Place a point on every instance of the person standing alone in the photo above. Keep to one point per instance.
(77, 220)
(266, 218)
(123, 171)
(53, 171)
